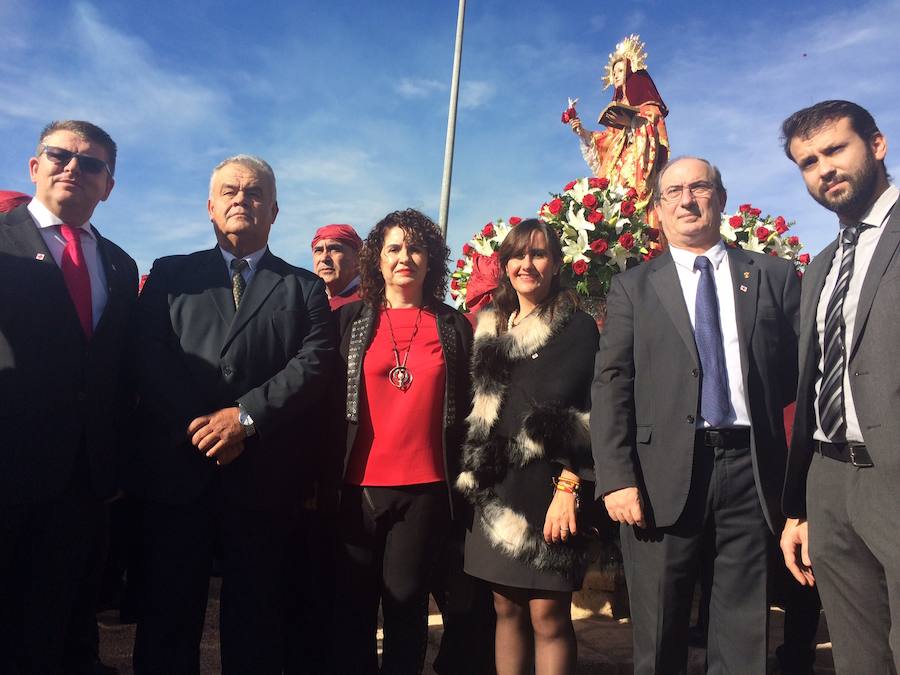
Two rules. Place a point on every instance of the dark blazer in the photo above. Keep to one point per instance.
(357, 327)
(646, 391)
(873, 364)
(195, 355)
(60, 392)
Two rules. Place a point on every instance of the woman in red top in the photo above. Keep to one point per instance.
(407, 393)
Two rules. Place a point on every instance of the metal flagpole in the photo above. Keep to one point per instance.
(451, 121)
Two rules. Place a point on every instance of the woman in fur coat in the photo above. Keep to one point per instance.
(527, 442)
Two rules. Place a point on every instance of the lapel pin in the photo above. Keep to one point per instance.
(39, 256)
(743, 289)
(746, 275)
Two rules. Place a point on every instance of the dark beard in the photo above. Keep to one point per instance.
(860, 193)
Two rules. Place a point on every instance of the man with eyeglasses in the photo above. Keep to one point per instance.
(66, 295)
(695, 367)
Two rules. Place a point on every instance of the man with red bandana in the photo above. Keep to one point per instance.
(335, 251)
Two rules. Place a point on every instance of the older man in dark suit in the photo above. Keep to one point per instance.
(66, 295)
(234, 349)
(696, 363)
(844, 466)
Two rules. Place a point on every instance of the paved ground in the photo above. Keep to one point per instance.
(604, 644)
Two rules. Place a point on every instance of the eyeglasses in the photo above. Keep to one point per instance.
(699, 190)
(62, 157)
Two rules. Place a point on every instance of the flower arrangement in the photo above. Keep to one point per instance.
(601, 231)
(751, 231)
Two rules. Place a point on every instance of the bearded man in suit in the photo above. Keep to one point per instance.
(696, 363)
(841, 495)
(66, 297)
(235, 347)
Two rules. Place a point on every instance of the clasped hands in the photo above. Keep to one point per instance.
(218, 435)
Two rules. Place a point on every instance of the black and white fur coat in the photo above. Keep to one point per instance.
(531, 397)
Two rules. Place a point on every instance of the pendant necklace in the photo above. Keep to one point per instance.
(400, 376)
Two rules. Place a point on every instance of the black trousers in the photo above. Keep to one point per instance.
(179, 541)
(853, 544)
(389, 539)
(44, 555)
(723, 525)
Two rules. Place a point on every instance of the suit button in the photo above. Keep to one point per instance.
(227, 370)
(690, 419)
(695, 372)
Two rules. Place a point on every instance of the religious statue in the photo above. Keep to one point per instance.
(634, 145)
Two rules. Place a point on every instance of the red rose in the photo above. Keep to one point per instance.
(626, 209)
(755, 213)
(626, 240)
(803, 258)
(488, 230)
(780, 226)
(597, 183)
(762, 233)
(602, 183)
(569, 186)
(565, 117)
(589, 200)
(744, 208)
(653, 233)
(460, 264)
(631, 194)
(774, 254)
(454, 284)
(736, 221)
(569, 114)
(652, 253)
(793, 240)
(594, 217)
(468, 250)
(554, 206)
(579, 267)
(515, 220)
(599, 246)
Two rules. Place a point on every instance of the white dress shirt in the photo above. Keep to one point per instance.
(47, 225)
(874, 219)
(738, 415)
(252, 263)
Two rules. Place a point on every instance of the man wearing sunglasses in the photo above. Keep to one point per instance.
(66, 294)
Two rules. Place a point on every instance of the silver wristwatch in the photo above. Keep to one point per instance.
(246, 421)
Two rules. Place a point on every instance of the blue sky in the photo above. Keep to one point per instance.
(348, 101)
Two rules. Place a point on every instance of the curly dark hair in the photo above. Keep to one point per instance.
(517, 241)
(418, 229)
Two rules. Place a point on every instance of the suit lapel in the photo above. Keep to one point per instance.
(668, 287)
(116, 285)
(745, 280)
(264, 281)
(26, 239)
(213, 278)
(884, 253)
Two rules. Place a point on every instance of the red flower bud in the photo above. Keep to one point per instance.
(599, 246)
(803, 258)
(460, 264)
(589, 200)
(631, 194)
(626, 239)
(454, 284)
(597, 183)
(554, 206)
(488, 230)
(514, 220)
(653, 233)
(755, 213)
(762, 233)
(569, 186)
(579, 267)
(793, 240)
(626, 208)
(594, 217)
(468, 250)
(736, 221)
(744, 208)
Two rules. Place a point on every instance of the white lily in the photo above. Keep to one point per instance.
(573, 249)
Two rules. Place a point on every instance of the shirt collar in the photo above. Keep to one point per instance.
(44, 218)
(685, 259)
(878, 214)
(251, 258)
(350, 288)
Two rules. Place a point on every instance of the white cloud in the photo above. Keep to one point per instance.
(418, 87)
(475, 94)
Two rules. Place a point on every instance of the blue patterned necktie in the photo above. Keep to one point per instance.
(831, 392)
(238, 285)
(714, 400)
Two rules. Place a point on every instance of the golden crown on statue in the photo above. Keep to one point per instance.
(632, 49)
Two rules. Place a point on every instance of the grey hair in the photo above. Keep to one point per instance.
(257, 164)
(713, 169)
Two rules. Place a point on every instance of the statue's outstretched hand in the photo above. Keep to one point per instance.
(575, 124)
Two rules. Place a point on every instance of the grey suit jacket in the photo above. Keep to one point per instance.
(646, 389)
(873, 364)
(61, 394)
(195, 354)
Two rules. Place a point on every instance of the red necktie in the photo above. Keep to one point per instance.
(78, 280)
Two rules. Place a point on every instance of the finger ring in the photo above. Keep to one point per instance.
(564, 529)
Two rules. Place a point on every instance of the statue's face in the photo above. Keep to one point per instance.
(618, 73)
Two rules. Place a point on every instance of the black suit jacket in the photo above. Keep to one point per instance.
(195, 354)
(873, 364)
(60, 393)
(646, 391)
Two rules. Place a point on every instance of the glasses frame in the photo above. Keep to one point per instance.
(697, 189)
(84, 161)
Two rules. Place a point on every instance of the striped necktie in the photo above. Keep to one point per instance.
(238, 285)
(831, 393)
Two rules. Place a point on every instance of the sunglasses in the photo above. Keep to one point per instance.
(62, 157)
